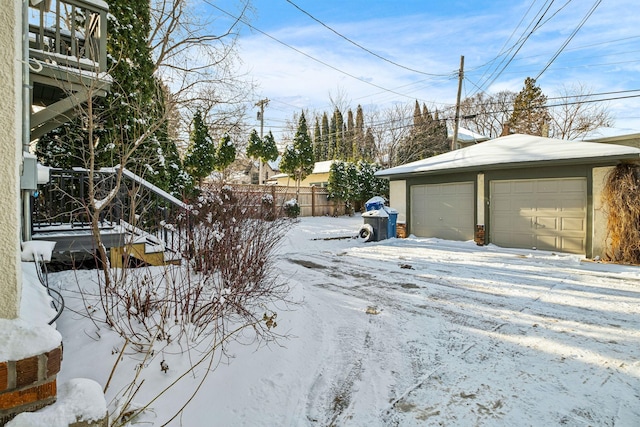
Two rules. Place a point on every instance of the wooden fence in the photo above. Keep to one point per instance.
(313, 201)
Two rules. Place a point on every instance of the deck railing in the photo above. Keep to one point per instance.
(63, 203)
(71, 33)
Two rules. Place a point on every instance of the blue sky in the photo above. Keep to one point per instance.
(428, 37)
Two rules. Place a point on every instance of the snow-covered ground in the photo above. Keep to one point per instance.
(409, 332)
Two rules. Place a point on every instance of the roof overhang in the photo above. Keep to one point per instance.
(516, 151)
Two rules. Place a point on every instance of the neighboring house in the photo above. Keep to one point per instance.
(248, 170)
(318, 178)
(629, 137)
(517, 191)
(465, 137)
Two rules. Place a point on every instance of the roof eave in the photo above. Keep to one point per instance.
(599, 160)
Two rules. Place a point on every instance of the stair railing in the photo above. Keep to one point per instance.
(62, 203)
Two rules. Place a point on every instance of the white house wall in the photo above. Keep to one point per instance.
(10, 153)
(398, 198)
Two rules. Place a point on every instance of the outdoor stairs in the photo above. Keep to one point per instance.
(121, 240)
(144, 247)
(152, 236)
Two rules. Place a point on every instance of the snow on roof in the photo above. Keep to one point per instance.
(517, 149)
(322, 167)
(318, 167)
(466, 135)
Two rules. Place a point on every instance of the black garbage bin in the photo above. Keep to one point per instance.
(375, 225)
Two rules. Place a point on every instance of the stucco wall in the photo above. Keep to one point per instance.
(398, 198)
(10, 155)
(599, 242)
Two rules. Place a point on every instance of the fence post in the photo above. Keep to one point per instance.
(313, 201)
(273, 205)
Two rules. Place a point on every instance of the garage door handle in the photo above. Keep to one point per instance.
(538, 225)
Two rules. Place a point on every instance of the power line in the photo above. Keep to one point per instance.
(571, 36)
(362, 47)
(244, 21)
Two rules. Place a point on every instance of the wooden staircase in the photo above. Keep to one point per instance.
(143, 247)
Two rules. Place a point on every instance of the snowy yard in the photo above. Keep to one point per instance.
(411, 332)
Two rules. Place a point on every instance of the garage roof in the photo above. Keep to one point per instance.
(516, 151)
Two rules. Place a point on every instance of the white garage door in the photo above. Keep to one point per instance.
(443, 210)
(548, 214)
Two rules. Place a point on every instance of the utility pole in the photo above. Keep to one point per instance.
(262, 103)
(456, 123)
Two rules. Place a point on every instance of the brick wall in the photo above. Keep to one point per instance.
(28, 384)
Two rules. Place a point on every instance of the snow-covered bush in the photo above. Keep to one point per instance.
(291, 208)
(226, 287)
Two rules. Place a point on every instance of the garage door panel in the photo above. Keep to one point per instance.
(521, 187)
(550, 223)
(445, 211)
(573, 204)
(573, 224)
(552, 214)
(574, 185)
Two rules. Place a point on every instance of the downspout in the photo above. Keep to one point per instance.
(26, 118)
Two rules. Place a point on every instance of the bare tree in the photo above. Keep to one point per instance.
(486, 114)
(390, 127)
(575, 114)
(340, 99)
(200, 65)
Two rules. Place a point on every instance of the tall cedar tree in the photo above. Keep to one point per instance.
(200, 159)
(297, 160)
(530, 113)
(338, 120)
(264, 149)
(354, 183)
(349, 134)
(225, 154)
(325, 138)
(427, 138)
(317, 142)
(359, 150)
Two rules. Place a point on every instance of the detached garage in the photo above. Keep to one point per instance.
(516, 191)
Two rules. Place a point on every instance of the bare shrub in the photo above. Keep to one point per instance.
(621, 196)
(225, 290)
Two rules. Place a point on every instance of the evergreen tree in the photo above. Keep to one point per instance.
(135, 101)
(325, 137)
(200, 159)
(225, 154)
(360, 151)
(349, 138)
(427, 138)
(269, 148)
(297, 160)
(354, 183)
(530, 114)
(317, 143)
(264, 149)
(340, 151)
(333, 146)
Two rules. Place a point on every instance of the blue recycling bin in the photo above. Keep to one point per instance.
(392, 222)
(374, 204)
